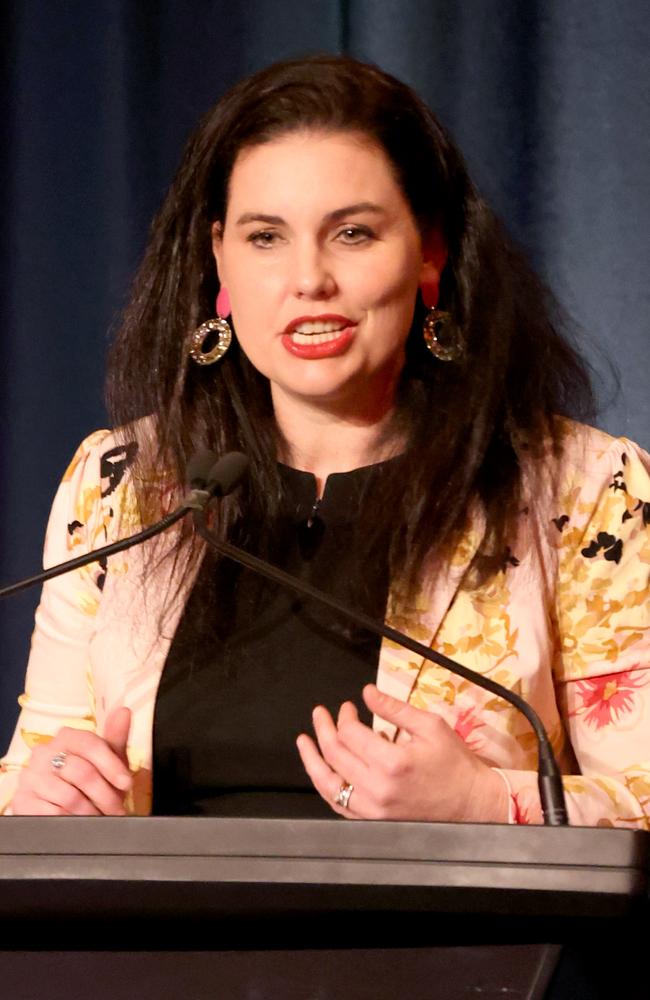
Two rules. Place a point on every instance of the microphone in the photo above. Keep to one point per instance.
(551, 790)
(226, 474)
(208, 477)
(198, 468)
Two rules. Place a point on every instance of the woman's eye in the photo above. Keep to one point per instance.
(264, 238)
(355, 234)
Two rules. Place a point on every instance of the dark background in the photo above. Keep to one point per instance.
(549, 100)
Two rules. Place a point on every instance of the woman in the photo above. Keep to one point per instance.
(398, 378)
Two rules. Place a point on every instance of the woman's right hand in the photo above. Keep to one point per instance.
(92, 779)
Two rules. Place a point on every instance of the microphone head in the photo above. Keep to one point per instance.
(227, 473)
(199, 468)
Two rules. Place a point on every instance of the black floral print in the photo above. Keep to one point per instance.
(612, 546)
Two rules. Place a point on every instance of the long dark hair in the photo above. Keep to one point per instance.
(470, 426)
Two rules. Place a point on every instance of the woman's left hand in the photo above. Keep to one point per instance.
(428, 773)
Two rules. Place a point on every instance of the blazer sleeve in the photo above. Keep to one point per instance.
(58, 686)
(602, 671)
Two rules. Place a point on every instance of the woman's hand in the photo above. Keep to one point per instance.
(427, 774)
(92, 777)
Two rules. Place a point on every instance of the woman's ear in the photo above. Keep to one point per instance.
(434, 252)
(217, 241)
(434, 258)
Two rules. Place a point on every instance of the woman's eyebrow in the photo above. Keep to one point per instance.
(360, 206)
(271, 220)
(338, 213)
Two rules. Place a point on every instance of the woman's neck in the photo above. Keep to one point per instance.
(323, 440)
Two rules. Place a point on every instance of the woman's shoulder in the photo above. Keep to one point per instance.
(600, 489)
(98, 485)
(592, 459)
(115, 448)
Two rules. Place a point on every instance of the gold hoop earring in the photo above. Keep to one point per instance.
(224, 338)
(442, 335)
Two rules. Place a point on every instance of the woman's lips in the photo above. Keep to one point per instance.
(326, 349)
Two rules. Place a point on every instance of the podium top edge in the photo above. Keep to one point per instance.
(467, 843)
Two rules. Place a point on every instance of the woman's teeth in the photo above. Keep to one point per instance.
(314, 338)
(316, 333)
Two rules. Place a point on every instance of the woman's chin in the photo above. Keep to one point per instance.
(344, 398)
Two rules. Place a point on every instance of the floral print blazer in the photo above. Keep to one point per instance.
(565, 623)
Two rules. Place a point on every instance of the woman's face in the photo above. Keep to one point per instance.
(322, 258)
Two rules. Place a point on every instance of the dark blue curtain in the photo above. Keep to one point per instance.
(548, 99)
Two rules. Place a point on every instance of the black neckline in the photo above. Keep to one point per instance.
(343, 492)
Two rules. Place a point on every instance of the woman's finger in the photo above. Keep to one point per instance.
(116, 731)
(32, 805)
(325, 780)
(347, 713)
(43, 808)
(66, 795)
(337, 755)
(365, 744)
(89, 747)
(416, 721)
(84, 777)
(48, 795)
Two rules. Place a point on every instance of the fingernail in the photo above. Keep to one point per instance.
(123, 781)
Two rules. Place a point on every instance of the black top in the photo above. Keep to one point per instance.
(250, 660)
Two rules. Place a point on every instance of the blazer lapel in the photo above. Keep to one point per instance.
(420, 619)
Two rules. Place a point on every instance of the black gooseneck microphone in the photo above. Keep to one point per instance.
(209, 478)
(551, 790)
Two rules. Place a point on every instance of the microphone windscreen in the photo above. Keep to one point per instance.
(226, 474)
(199, 468)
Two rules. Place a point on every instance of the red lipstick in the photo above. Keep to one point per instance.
(338, 344)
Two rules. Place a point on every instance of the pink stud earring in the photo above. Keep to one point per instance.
(223, 303)
(220, 326)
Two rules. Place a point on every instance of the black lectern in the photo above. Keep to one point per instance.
(314, 909)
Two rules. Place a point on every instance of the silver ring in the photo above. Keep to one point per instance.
(342, 797)
(58, 760)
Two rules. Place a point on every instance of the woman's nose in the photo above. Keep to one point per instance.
(313, 276)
